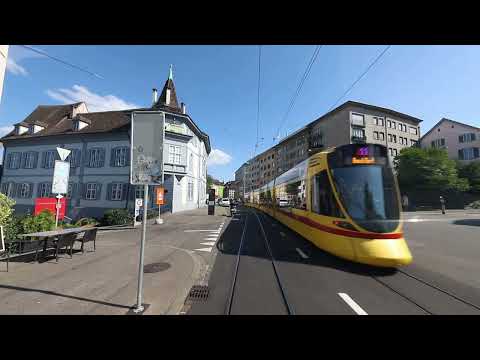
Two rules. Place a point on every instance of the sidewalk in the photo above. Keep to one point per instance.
(105, 281)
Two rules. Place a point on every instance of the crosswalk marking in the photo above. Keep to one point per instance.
(208, 243)
(209, 249)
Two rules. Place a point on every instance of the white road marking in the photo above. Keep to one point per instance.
(282, 234)
(199, 230)
(352, 304)
(208, 243)
(209, 249)
(212, 237)
(301, 253)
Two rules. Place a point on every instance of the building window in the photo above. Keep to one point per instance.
(378, 121)
(190, 191)
(139, 192)
(14, 159)
(8, 189)
(70, 191)
(49, 159)
(394, 125)
(413, 130)
(323, 198)
(96, 157)
(358, 133)
(438, 143)
(175, 154)
(357, 119)
(381, 135)
(413, 142)
(375, 135)
(24, 190)
(468, 153)
(404, 128)
(91, 191)
(390, 138)
(467, 137)
(29, 160)
(120, 156)
(45, 190)
(116, 191)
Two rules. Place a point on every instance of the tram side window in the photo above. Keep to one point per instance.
(323, 199)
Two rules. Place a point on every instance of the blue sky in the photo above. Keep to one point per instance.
(219, 85)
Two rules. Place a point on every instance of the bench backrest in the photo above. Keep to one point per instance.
(66, 239)
(90, 235)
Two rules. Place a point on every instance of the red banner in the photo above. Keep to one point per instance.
(50, 205)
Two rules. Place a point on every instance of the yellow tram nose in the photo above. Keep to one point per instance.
(382, 252)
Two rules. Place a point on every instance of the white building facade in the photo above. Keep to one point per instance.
(100, 158)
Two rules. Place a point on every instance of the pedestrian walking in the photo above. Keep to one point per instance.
(442, 203)
(405, 202)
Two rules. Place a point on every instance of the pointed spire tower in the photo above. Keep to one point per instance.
(168, 97)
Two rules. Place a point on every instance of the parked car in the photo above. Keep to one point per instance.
(224, 202)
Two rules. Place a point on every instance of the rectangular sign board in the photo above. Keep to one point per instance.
(160, 195)
(61, 174)
(50, 204)
(148, 134)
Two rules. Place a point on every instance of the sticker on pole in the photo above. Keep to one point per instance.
(148, 134)
(60, 177)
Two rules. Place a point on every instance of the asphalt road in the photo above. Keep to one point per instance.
(315, 282)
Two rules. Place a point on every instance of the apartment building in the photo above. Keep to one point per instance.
(351, 122)
(462, 141)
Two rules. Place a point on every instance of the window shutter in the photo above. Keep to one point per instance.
(44, 159)
(87, 158)
(112, 157)
(474, 137)
(99, 191)
(460, 154)
(109, 192)
(131, 188)
(102, 158)
(39, 187)
(30, 190)
(83, 191)
(23, 160)
(35, 159)
(16, 190)
(128, 156)
(460, 138)
(475, 152)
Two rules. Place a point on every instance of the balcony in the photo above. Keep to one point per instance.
(176, 128)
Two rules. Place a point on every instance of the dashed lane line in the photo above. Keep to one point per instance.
(208, 249)
(355, 307)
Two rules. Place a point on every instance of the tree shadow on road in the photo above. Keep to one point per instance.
(468, 222)
(53, 293)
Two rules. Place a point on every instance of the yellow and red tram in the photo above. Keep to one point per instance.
(345, 200)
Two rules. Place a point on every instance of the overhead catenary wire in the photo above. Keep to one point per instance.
(42, 52)
(360, 77)
(299, 88)
(258, 95)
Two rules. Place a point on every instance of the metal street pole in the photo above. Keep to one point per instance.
(140, 307)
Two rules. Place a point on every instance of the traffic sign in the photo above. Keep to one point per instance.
(61, 174)
(148, 134)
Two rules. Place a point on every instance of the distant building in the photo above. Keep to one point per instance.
(100, 157)
(218, 187)
(351, 122)
(462, 141)
(231, 189)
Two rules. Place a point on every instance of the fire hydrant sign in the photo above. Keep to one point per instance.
(61, 174)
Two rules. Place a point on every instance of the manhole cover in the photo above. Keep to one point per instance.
(156, 267)
(198, 293)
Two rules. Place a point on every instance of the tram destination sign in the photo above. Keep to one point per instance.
(148, 134)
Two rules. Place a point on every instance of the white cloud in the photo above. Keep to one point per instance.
(4, 130)
(218, 158)
(95, 102)
(15, 68)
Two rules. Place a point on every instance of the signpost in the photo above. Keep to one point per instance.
(146, 168)
(61, 174)
(160, 201)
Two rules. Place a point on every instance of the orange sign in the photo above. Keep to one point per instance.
(160, 196)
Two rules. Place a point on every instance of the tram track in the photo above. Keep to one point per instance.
(228, 308)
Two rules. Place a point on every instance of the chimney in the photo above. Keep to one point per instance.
(154, 96)
(184, 110)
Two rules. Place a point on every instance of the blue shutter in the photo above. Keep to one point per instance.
(112, 157)
(474, 137)
(460, 138)
(124, 191)
(99, 192)
(109, 192)
(475, 152)
(460, 154)
(87, 158)
(30, 190)
(35, 159)
(128, 156)
(9, 161)
(23, 160)
(102, 158)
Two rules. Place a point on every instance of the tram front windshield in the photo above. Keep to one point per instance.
(368, 193)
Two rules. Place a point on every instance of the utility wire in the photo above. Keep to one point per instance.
(361, 76)
(258, 92)
(299, 88)
(41, 52)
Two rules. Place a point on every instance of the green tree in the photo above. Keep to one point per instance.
(471, 172)
(45, 221)
(428, 169)
(6, 209)
(209, 181)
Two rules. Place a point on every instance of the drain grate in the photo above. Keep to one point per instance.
(156, 267)
(198, 293)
